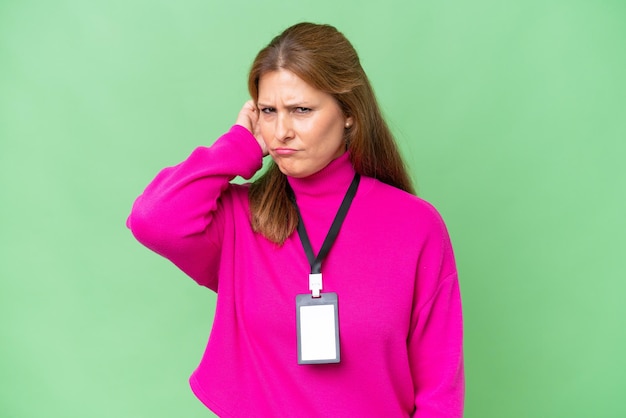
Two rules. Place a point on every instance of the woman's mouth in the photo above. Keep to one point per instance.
(284, 151)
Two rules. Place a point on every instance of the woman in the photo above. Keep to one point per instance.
(390, 344)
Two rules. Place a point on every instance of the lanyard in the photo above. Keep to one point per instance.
(315, 278)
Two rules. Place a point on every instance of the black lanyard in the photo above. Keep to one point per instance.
(316, 262)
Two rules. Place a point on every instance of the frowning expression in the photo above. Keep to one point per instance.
(302, 127)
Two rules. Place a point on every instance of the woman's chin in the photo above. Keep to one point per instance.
(290, 171)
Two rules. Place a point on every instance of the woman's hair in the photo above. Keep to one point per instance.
(323, 57)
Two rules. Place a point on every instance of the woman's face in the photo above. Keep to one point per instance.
(302, 127)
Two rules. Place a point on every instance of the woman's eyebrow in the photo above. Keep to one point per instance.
(302, 103)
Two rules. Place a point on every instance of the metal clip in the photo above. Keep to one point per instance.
(315, 284)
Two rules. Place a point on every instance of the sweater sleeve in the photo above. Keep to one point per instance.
(436, 340)
(179, 213)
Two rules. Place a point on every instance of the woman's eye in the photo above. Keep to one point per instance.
(302, 110)
(267, 110)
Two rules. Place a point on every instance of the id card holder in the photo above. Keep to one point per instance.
(317, 322)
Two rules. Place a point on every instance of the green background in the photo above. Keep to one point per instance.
(511, 114)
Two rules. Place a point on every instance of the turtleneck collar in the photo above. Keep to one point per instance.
(334, 179)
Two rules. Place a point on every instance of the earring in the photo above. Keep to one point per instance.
(348, 125)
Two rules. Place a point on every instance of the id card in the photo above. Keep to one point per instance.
(318, 328)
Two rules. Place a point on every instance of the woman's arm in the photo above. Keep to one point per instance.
(179, 213)
(436, 339)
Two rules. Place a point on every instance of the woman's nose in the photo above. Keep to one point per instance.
(283, 130)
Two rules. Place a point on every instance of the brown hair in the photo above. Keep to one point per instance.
(323, 57)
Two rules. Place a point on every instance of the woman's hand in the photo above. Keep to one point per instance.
(249, 118)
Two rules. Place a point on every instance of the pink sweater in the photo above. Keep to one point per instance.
(392, 267)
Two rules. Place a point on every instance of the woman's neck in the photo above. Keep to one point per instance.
(331, 181)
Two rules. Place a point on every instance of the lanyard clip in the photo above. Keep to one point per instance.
(315, 284)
